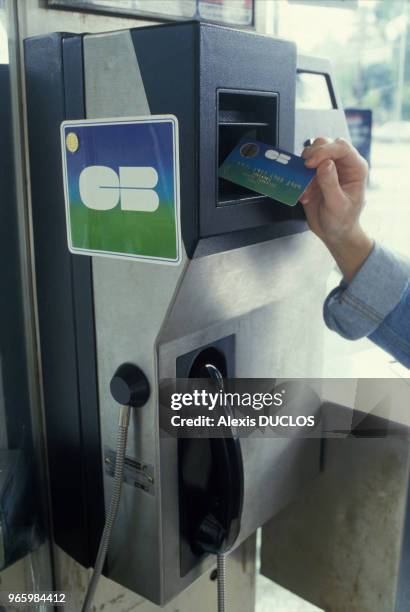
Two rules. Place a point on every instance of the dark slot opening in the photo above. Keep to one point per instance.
(243, 114)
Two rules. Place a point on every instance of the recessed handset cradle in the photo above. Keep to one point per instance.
(130, 388)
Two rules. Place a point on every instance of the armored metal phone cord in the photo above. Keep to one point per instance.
(123, 423)
(221, 569)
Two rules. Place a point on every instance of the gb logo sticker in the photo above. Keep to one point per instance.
(101, 188)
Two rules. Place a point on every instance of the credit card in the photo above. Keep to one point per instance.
(267, 170)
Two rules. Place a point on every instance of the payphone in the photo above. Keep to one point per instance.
(229, 304)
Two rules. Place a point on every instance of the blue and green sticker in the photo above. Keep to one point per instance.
(121, 180)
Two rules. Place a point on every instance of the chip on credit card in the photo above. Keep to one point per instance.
(267, 170)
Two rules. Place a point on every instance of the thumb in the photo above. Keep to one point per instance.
(328, 181)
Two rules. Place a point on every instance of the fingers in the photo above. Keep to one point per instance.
(304, 198)
(312, 187)
(309, 192)
(328, 182)
(339, 146)
(307, 151)
(340, 149)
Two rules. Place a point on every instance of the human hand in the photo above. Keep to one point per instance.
(335, 199)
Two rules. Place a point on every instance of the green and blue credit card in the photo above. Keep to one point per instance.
(267, 170)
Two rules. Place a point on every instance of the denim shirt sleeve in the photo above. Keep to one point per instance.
(376, 303)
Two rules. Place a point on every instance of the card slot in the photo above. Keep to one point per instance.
(242, 115)
(244, 123)
(238, 116)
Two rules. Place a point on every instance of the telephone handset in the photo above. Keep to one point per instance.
(211, 492)
(211, 489)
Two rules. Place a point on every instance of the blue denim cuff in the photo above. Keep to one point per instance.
(356, 309)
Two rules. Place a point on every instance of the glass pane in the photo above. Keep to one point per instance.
(24, 553)
(238, 12)
(369, 47)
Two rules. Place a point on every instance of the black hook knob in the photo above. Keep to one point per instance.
(129, 386)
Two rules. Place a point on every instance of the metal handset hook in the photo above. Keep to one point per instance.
(216, 375)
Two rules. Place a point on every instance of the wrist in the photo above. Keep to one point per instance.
(350, 250)
(355, 238)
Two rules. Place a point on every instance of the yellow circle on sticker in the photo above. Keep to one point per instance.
(72, 142)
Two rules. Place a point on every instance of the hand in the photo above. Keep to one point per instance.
(334, 201)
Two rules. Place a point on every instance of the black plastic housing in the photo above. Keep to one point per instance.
(222, 84)
(54, 85)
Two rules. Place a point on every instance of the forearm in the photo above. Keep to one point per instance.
(393, 334)
(373, 299)
(375, 303)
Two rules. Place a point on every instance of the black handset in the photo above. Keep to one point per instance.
(211, 490)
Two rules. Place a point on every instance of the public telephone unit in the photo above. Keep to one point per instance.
(230, 303)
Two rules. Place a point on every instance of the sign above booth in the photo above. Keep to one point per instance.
(229, 12)
(346, 4)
